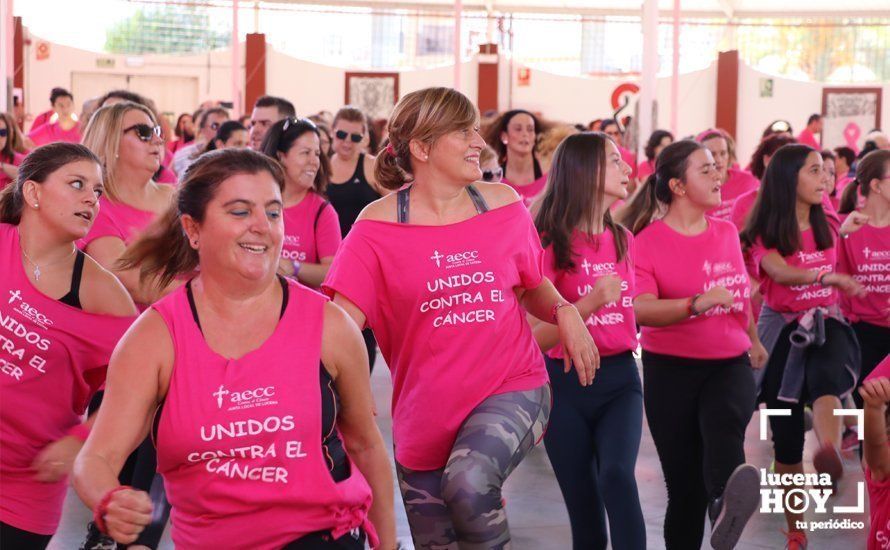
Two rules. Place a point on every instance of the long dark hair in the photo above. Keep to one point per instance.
(772, 218)
(163, 250)
(574, 195)
(225, 131)
(282, 135)
(871, 167)
(767, 148)
(656, 190)
(654, 141)
(499, 126)
(38, 166)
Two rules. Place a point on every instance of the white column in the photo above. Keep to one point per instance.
(237, 92)
(7, 60)
(675, 73)
(648, 80)
(458, 9)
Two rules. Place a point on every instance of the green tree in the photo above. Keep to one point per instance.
(172, 29)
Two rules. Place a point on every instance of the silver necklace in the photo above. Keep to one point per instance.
(37, 267)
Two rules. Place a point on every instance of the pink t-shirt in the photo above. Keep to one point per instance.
(745, 203)
(311, 230)
(442, 305)
(613, 327)
(528, 192)
(52, 359)
(646, 169)
(239, 440)
(116, 219)
(865, 254)
(879, 510)
(16, 161)
(807, 137)
(797, 298)
(670, 265)
(51, 132)
(738, 182)
(883, 369)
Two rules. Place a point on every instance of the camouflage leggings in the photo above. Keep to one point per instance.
(460, 505)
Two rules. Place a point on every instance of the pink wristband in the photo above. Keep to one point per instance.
(102, 509)
(80, 431)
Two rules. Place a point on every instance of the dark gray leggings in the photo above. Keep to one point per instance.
(460, 505)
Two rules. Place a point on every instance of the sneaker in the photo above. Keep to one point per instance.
(828, 461)
(96, 540)
(850, 440)
(796, 540)
(731, 512)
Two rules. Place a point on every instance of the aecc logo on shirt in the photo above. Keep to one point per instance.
(246, 399)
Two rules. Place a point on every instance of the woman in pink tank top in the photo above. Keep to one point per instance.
(441, 271)
(311, 226)
(60, 317)
(127, 139)
(240, 370)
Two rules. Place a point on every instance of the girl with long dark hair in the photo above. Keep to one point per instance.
(814, 356)
(594, 433)
(513, 135)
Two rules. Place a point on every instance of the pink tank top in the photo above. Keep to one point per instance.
(116, 219)
(239, 440)
(52, 359)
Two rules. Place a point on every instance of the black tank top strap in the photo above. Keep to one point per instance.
(73, 297)
(285, 296)
(402, 197)
(359, 173)
(478, 200)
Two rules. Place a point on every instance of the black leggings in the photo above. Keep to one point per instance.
(13, 538)
(592, 442)
(322, 540)
(697, 411)
(371, 346)
(825, 375)
(874, 341)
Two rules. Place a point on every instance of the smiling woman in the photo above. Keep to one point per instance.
(238, 329)
(62, 319)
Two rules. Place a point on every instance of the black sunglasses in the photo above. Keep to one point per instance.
(492, 175)
(355, 138)
(145, 132)
(4, 132)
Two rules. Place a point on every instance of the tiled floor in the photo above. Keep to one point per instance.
(537, 515)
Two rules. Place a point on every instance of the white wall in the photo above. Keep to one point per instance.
(792, 100)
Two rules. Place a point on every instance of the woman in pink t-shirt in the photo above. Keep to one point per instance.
(62, 125)
(10, 159)
(692, 298)
(865, 254)
(814, 356)
(658, 140)
(60, 317)
(239, 372)
(875, 393)
(594, 433)
(733, 182)
(441, 271)
(513, 136)
(311, 226)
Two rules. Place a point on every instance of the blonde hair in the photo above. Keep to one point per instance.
(549, 141)
(425, 116)
(103, 137)
(486, 155)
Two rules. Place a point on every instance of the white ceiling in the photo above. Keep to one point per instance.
(697, 8)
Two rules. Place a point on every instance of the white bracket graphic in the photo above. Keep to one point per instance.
(860, 502)
(764, 417)
(860, 419)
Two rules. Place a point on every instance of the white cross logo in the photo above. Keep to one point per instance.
(219, 395)
(436, 257)
(586, 265)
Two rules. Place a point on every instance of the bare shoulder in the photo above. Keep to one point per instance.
(101, 292)
(497, 194)
(383, 209)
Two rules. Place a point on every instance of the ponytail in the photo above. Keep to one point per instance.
(389, 168)
(849, 198)
(642, 207)
(163, 252)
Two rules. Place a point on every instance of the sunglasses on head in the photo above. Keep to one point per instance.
(144, 131)
(4, 132)
(289, 121)
(343, 134)
(492, 175)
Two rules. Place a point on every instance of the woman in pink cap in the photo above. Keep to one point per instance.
(254, 386)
